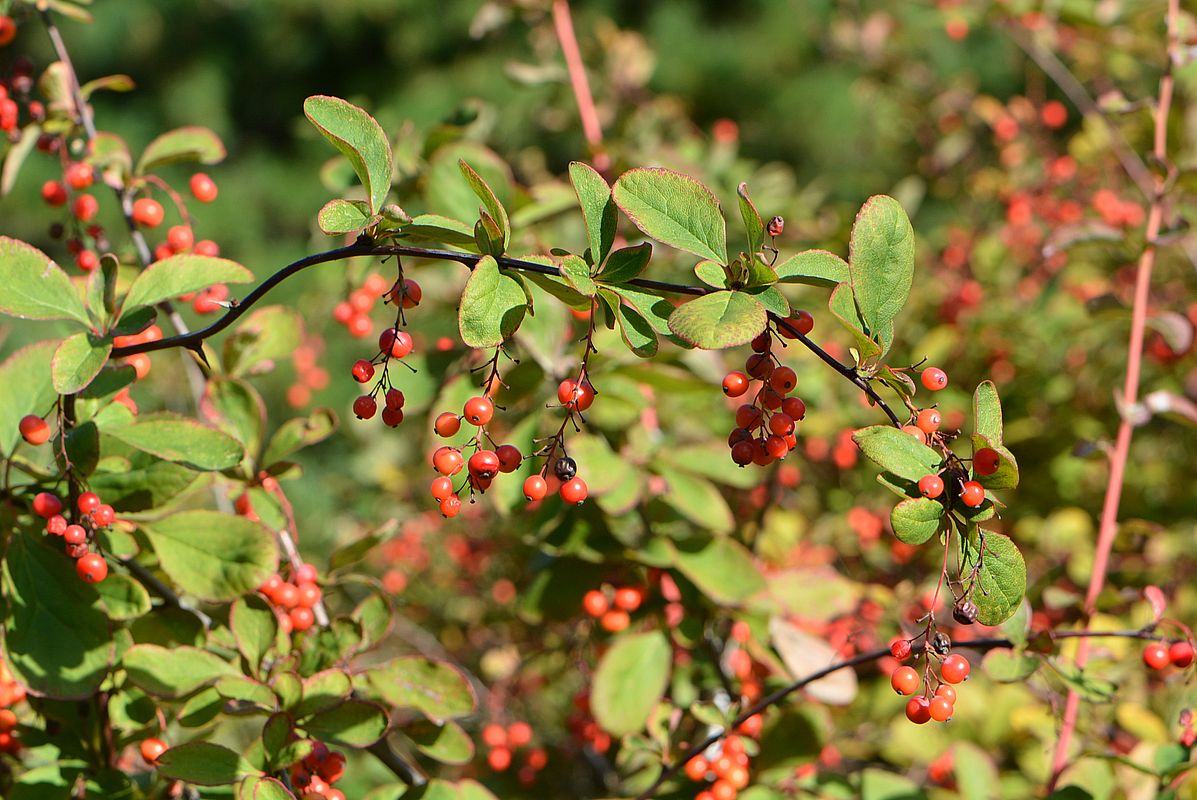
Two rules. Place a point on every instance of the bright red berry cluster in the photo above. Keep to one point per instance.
(93, 515)
(11, 693)
(933, 704)
(766, 428)
(613, 607)
(315, 775)
(502, 745)
(1158, 655)
(393, 343)
(294, 600)
(141, 361)
(726, 769)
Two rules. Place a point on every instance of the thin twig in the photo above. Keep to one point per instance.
(396, 764)
(150, 581)
(1108, 528)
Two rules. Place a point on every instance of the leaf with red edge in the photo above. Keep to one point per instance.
(1159, 603)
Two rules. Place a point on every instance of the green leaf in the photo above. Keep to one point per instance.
(173, 437)
(78, 360)
(843, 307)
(490, 202)
(322, 691)
(204, 763)
(436, 228)
(354, 723)
(261, 788)
(435, 688)
(446, 743)
(16, 155)
(1001, 579)
(173, 671)
(339, 216)
(236, 408)
(181, 274)
(1006, 476)
(635, 330)
(57, 640)
(265, 336)
(712, 273)
(213, 556)
(696, 499)
(813, 268)
(674, 209)
(577, 274)
(719, 320)
(492, 306)
(629, 682)
(976, 774)
(34, 286)
(754, 226)
(191, 143)
(722, 568)
(598, 209)
(877, 784)
(654, 308)
(916, 520)
(148, 483)
(881, 260)
(897, 452)
(111, 83)
(626, 263)
(25, 388)
(124, 597)
(772, 299)
(254, 628)
(296, 434)
(1009, 666)
(987, 412)
(359, 138)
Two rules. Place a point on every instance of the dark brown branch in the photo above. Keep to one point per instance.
(395, 763)
(151, 582)
(364, 247)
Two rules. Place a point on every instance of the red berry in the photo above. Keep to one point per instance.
(286, 595)
(54, 193)
(411, 294)
(306, 574)
(394, 399)
(450, 506)
(763, 342)
(510, 457)
(301, 618)
(104, 516)
(34, 429)
(362, 370)
(448, 460)
(931, 486)
(332, 769)
(395, 343)
(8, 30)
(519, 734)
(905, 680)
(900, 649)
(92, 568)
(499, 759)
(359, 326)
(152, 750)
(627, 598)
(574, 491)
(85, 207)
(615, 621)
(484, 464)
(180, 238)
(696, 768)
(954, 668)
(940, 709)
(748, 417)
(918, 710)
(447, 424)
(915, 432)
(442, 487)
(1180, 654)
(929, 420)
(973, 494)
(56, 525)
(309, 594)
(575, 396)
(478, 410)
(79, 175)
(365, 407)
(986, 461)
(794, 408)
(781, 424)
(760, 365)
(783, 380)
(206, 247)
(74, 534)
(934, 379)
(535, 488)
(148, 212)
(1156, 655)
(776, 447)
(595, 603)
(392, 417)
(801, 320)
(88, 502)
(735, 384)
(743, 452)
(948, 691)
(87, 260)
(203, 188)
(46, 505)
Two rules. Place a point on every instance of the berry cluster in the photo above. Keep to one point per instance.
(354, 312)
(583, 726)
(726, 769)
(503, 743)
(11, 693)
(18, 88)
(293, 600)
(393, 343)
(1158, 655)
(93, 515)
(314, 777)
(766, 428)
(483, 465)
(139, 361)
(938, 704)
(612, 606)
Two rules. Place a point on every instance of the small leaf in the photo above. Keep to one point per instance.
(436, 228)
(262, 788)
(754, 226)
(339, 216)
(1001, 579)
(629, 682)
(204, 763)
(626, 263)
(722, 568)
(696, 499)
(897, 452)
(635, 330)
(192, 143)
(236, 408)
(360, 139)
(598, 209)
(435, 688)
(34, 286)
(354, 723)
(712, 273)
(976, 774)
(16, 155)
(296, 434)
(805, 654)
(173, 437)
(843, 307)
(987, 412)
(916, 520)
(814, 268)
(213, 556)
(719, 320)
(881, 260)
(173, 671)
(1008, 666)
(254, 627)
(182, 274)
(78, 360)
(322, 691)
(577, 274)
(1006, 476)
(674, 209)
(494, 209)
(264, 336)
(447, 743)
(124, 597)
(772, 299)
(25, 388)
(492, 306)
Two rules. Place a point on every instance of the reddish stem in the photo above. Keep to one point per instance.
(563, 24)
(1108, 528)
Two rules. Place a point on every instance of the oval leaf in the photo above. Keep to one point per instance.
(192, 143)
(987, 412)
(34, 286)
(814, 268)
(354, 723)
(1001, 579)
(213, 556)
(897, 452)
(916, 520)
(881, 260)
(182, 440)
(343, 216)
(204, 763)
(173, 671)
(360, 138)
(719, 320)
(182, 274)
(630, 681)
(255, 628)
(492, 306)
(77, 361)
(721, 568)
(674, 209)
(598, 209)
(437, 689)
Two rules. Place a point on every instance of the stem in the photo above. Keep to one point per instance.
(151, 582)
(364, 247)
(864, 658)
(1108, 528)
(563, 25)
(395, 763)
